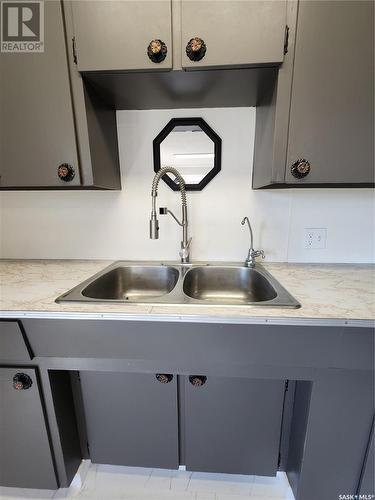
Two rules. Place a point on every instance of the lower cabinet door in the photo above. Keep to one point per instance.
(25, 452)
(131, 419)
(233, 425)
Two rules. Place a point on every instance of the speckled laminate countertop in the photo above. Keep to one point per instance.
(329, 294)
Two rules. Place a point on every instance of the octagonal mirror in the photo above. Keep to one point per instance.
(193, 148)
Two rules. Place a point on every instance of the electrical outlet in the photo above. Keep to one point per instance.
(315, 237)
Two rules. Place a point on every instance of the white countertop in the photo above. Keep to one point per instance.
(337, 294)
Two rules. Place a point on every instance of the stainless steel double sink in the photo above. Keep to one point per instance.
(171, 283)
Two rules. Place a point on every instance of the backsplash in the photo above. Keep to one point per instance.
(114, 225)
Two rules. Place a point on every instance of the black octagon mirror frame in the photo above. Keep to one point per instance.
(217, 152)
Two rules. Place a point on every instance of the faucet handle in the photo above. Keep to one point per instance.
(185, 250)
(259, 253)
(187, 246)
(252, 255)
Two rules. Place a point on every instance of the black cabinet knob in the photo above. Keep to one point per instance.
(21, 381)
(196, 49)
(66, 172)
(300, 168)
(164, 378)
(157, 51)
(197, 380)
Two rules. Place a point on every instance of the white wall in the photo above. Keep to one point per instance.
(114, 225)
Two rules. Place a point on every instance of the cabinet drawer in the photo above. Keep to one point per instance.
(13, 345)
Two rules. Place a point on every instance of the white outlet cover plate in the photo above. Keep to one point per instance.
(315, 237)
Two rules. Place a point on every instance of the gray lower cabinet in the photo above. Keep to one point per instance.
(115, 35)
(235, 33)
(25, 453)
(131, 419)
(230, 425)
(321, 109)
(233, 425)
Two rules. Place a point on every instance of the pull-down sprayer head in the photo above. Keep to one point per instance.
(154, 223)
(154, 227)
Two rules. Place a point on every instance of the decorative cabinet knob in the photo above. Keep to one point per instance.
(157, 51)
(300, 168)
(197, 380)
(21, 382)
(196, 49)
(164, 378)
(66, 172)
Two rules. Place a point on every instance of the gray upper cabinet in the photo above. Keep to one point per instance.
(36, 112)
(55, 131)
(332, 109)
(114, 35)
(235, 33)
(315, 126)
(25, 454)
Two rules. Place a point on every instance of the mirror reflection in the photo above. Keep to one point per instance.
(190, 146)
(190, 151)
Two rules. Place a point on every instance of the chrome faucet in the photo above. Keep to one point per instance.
(252, 254)
(154, 223)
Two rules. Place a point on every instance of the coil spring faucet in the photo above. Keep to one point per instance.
(154, 223)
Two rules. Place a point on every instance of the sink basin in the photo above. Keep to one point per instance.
(133, 283)
(172, 283)
(228, 285)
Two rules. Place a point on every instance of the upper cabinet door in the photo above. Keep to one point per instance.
(115, 35)
(234, 33)
(36, 112)
(331, 117)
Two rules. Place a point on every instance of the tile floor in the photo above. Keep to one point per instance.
(107, 482)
